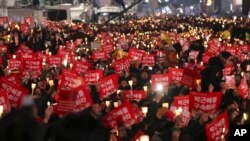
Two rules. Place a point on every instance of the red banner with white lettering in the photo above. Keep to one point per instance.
(24, 28)
(205, 102)
(92, 76)
(66, 102)
(55, 60)
(148, 60)
(15, 92)
(217, 128)
(125, 113)
(4, 20)
(14, 64)
(13, 78)
(214, 46)
(81, 67)
(4, 101)
(206, 56)
(69, 81)
(243, 88)
(99, 55)
(33, 65)
(121, 65)
(133, 95)
(108, 48)
(136, 54)
(3, 49)
(189, 78)
(175, 74)
(28, 19)
(108, 85)
(160, 82)
(245, 48)
(83, 99)
(182, 102)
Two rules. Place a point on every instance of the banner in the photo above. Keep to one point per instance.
(108, 85)
(133, 95)
(83, 99)
(214, 46)
(14, 64)
(245, 48)
(206, 56)
(121, 65)
(92, 76)
(175, 74)
(136, 54)
(205, 102)
(160, 80)
(24, 28)
(13, 78)
(217, 127)
(108, 48)
(180, 102)
(189, 78)
(56, 60)
(4, 101)
(4, 20)
(15, 93)
(243, 88)
(70, 81)
(33, 64)
(66, 102)
(28, 20)
(148, 60)
(80, 67)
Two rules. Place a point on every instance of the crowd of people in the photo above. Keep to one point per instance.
(215, 51)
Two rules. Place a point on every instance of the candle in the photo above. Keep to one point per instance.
(51, 82)
(14, 56)
(159, 87)
(144, 138)
(130, 82)
(70, 65)
(178, 111)
(144, 110)
(1, 110)
(107, 102)
(165, 105)
(145, 88)
(118, 91)
(115, 104)
(198, 81)
(65, 62)
(48, 103)
(33, 85)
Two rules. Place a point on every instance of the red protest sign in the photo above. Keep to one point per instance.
(180, 102)
(15, 92)
(175, 74)
(13, 78)
(206, 56)
(69, 81)
(148, 60)
(108, 85)
(245, 48)
(160, 81)
(214, 46)
(243, 88)
(28, 19)
(24, 28)
(133, 95)
(4, 20)
(189, 78)
(4, 101)
(99, 55)
(218, 127)
(230, 81)
(193, 54)
(66, 102)
(14, 64)
(205, 102)
(108, 48)
(33, 64)
(186, 116)
(3, 49)
(228, 70)
(24, 49)
(92, 76)
(83, 99)
(139, 115)
(81, 67)
(231, 50)
(124, 112)
(55, 60)
(136, 54)
(121, 65)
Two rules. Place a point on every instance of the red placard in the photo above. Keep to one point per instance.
(228, 70)
(230, 81)
(133, 95)
(189, 78)
(81, 67)
(99, 55)
(124, 112)
(243, 88)
(108, 85)
(55, 60)
(121, 65)
(206, 56)
(92, 76)
(4, 20)
(186, 116)
(70, 81)
(4, 101)
(3, 49)
(14, 64)
(15, 92)
(148, 60)
(214, 46)
(214, 129)
(136, 54)
(180, 102)
(83, 99)
(245, 48)
(28, 19)
(231, 50)
(13, 78)
(160, 79)
(193, 54)
(33, 64)
(175, 74)
(24, 28)
(205, 102)
(108, 48)
(24, 49)
(66, 102)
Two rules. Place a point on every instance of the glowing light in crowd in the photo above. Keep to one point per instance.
(48, 103)
(65, 62)
(159, 87)
(14, 56)
(178, 111)
(165, 105)
(115, 104)
(130, 82)
(198, 81)
(1, 110)
(245, 116)
(107, 102)
(209, 2)
(144, 138)
(145, 88)
(51, 82)
(144, 110)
